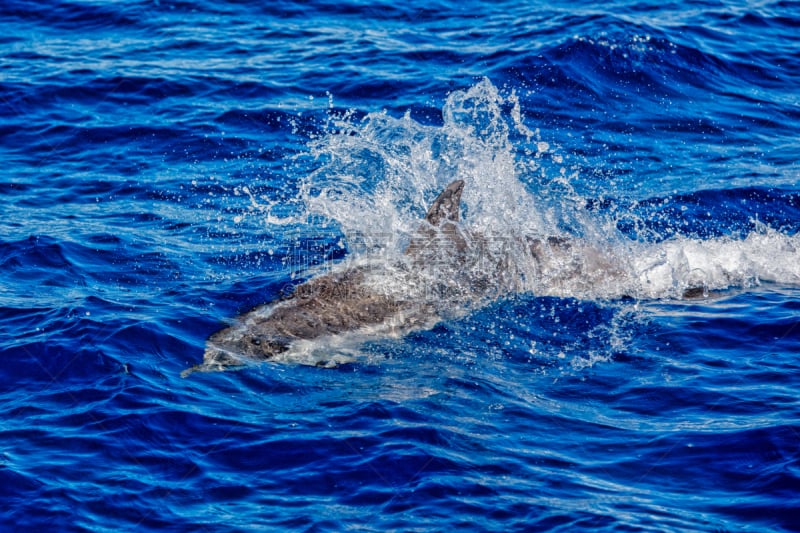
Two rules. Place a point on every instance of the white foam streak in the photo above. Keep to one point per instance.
(669, 268)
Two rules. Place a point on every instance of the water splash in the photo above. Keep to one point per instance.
(374, 178)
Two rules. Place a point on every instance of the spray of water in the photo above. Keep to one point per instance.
(375, 177)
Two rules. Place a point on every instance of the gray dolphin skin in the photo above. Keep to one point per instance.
(336, 303)
(446, 271)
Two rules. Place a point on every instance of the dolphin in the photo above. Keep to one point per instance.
(341, 302)
(446, 270)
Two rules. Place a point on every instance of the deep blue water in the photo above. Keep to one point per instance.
(163, 169)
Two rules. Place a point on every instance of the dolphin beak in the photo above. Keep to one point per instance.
(214, 360)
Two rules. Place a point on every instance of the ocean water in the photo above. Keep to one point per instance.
(169, 165)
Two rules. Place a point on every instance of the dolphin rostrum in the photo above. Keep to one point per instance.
(338, 302)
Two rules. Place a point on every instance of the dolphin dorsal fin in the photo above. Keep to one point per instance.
(447, 204)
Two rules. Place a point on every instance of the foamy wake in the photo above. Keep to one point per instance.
(669, 268)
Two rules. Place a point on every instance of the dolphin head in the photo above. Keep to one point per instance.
(234, 345)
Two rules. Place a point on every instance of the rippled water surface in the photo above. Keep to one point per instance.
(170, 165)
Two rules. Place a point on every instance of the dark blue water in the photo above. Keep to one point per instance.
(166, 166)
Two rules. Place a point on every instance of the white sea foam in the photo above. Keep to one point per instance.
(668, 268)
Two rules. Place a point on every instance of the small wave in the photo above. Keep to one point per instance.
(69, 15)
